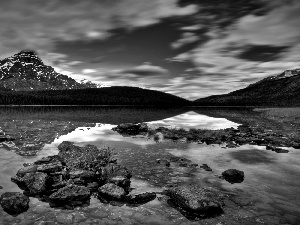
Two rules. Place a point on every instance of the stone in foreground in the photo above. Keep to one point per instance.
(112, 191)
(14, 202)
(71, 193)
(195, 199)
(233, 176)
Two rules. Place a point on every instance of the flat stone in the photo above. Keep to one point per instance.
(196, 199)
(71, 193)
(141, 198)
(112, 191)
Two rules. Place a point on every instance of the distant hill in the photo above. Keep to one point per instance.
(281, 90)
(92, 96)
(25, 71)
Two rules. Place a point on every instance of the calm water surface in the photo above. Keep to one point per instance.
(270, 193)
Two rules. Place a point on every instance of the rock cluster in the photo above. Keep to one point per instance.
(72, 176)
(131, 128)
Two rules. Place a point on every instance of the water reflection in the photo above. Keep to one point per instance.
(192, 119)
(270, 191)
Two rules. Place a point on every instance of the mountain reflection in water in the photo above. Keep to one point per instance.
(269, 194)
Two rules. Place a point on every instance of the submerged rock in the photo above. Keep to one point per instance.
(196, 199)
(206, 167)
(233, 176)
(14, 202)
(131, 129)
(112, 191)
(140, 198)
(276, 149)
(71, 193)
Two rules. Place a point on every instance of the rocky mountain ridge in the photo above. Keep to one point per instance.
(25, 71)
(281, 90)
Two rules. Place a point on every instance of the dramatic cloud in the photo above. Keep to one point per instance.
(39, 24)
(145, 70)
(194, 48)
(187, 38)
(247, 51)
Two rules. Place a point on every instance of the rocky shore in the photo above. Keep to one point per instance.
(76, 174)
(69, 179)
(230, 137)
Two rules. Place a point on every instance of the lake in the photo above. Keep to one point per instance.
(270, 193)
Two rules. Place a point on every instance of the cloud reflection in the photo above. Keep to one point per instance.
(195, 120)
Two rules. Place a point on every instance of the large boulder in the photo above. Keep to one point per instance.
(111, 191)
(70, 193)
(86, 158)
(131, 128)
(14, 202)
(196, 199)
(233, 176)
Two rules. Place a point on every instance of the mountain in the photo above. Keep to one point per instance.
(25, 71)
(92, 96)
(280, 90)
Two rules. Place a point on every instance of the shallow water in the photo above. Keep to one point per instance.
(270, 193)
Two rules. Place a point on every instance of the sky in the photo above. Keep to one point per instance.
(189, 48)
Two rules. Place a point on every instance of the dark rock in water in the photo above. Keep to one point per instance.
(281, 150)
(296, 146)
(86, 158)
(14, 203)
(71, 193)
(112, 191)
(196, 199)
(120, 181)
(27, 164)
(163, 162)
(6, 138)
(231, 145)
(175, 159)
(34, 182)
(270, 147)
(1, 187)
(206, 167)
(233, 176)
(276, 149)
(140, 198)
(131, 129)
